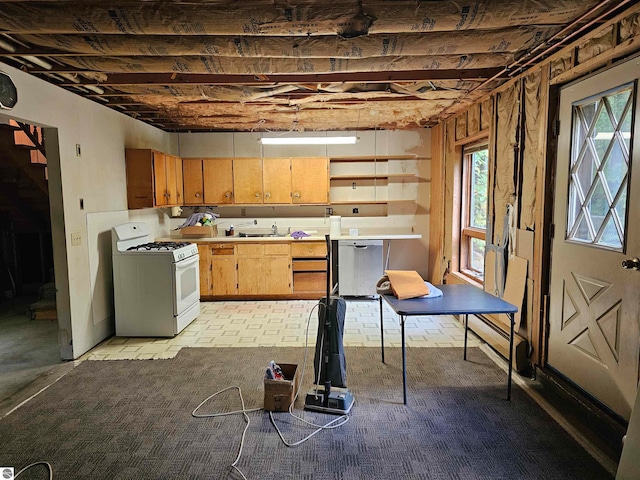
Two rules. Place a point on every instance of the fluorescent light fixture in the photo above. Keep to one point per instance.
(309, 140)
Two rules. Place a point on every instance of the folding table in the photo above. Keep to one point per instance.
(455, 300)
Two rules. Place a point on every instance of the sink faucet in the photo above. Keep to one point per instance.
(274, 228)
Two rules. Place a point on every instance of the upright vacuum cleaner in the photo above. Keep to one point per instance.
(330, 393)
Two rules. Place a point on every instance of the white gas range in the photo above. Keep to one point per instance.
(156, 284)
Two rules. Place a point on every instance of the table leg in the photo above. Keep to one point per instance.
(381, 329)
(466, 329)
(512, 319)
(404, 361)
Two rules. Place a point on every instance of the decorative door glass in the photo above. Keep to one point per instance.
(599, 170)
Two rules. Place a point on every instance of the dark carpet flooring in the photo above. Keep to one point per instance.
(132, 420)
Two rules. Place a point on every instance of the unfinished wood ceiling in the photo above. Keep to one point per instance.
(288, 65)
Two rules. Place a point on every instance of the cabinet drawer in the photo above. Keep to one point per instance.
(310, 266)
(251, 249)
(308, 282)
(309, 250)
(277, 249)
(263, 249)
(222, 249)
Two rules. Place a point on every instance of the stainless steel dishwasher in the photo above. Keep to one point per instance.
(359, 267)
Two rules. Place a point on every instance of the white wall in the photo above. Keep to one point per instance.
(97, 177)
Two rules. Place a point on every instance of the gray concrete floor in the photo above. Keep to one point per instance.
(28, 352)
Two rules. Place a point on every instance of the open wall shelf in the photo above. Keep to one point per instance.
(370, 180)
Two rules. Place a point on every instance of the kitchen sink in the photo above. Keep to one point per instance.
(241, 234)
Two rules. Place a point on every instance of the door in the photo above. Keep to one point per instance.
(594, 304)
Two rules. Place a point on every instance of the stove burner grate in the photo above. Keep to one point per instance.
(158, 246)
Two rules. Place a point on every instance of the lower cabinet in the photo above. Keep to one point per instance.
(218, 269)
(264, 269)
(293, 270)
(309, 268)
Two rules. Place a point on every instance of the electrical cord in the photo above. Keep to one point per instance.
(244, 412)
(328, 426)
(48, 465)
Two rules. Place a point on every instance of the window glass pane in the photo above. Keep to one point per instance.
(479, 171)
(600, 168)
(476, 257)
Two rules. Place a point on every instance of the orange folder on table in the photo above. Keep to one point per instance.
(407, 284)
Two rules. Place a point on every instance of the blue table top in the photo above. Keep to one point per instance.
(455, 300)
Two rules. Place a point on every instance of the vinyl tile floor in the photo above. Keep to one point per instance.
(284, 323)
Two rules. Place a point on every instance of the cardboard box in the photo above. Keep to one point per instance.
(199, 232)
(279, 394)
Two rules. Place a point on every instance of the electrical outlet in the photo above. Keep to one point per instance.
(76, 239)
(243, 212)
(355, 210)
(328, 211)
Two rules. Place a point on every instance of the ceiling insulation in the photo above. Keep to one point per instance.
(282, 65)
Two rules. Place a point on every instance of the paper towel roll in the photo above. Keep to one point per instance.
(335, 226)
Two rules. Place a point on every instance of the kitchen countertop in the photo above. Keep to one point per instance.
(312, 238)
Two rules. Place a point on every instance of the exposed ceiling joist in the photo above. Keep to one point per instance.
(167, 79)
(220, 65)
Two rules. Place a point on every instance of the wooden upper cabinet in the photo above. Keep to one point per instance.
(310, 180)
(218, 180)
(159, 178)
(151, 181)
(247, 180)
(208, 181)
(276, 177)
(193, 183)
(174, 188)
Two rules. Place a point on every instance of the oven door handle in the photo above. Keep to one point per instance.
(187, 263)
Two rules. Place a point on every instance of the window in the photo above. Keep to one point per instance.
(599, 176)
(473, 221)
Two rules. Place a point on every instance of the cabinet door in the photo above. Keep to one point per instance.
(250, 276)
(276, 176)
(247, 180)
(159, 179)
(218, 180)
(140, 178)
(276, 273)
(310, 180)
(205, 270)
(179, 182)
(192, 173)
(173, 168)
(223, 275)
